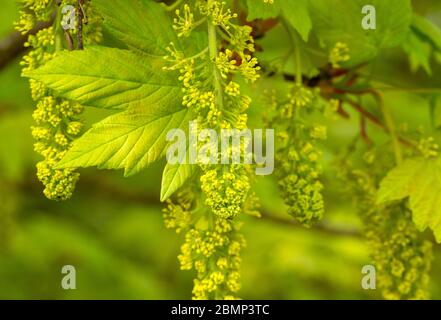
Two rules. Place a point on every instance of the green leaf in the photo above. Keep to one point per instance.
(129, 140)
(174, 177)
(340, 21)
(419, 53)
(260, 10)
(428, 30)
(282, 56)
(297, 15)
(139, 24)
(424, 42)
(419, 180)
(109, 78)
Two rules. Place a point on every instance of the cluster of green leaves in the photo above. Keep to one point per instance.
(418, 179)
(332, 21)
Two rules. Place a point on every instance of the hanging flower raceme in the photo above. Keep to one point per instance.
(212, 247)
(213, 244)
(298, 155)
(215, 99)
(57, 121)
(400, 254)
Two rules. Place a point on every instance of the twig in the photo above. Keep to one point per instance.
(366, 114)
(363, 130)
(374, 120)
(80, 24)
(389, 123)
(342, 112)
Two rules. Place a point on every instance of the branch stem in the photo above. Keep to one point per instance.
(80, 24)
(213, 51)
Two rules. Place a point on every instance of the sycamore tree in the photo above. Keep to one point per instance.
(300, 68)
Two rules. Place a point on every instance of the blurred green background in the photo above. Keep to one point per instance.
(112, 229)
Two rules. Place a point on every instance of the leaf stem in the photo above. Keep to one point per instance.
(172, 6)
(80, 25)
(411, 90)
(390, 125)
(299, 79)
(212, 47)
(198, 23)
(295, 42)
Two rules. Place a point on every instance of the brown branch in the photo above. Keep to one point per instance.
(342, 112)
(376, 121)
(363, 130)
(366, 114)
(80, 24)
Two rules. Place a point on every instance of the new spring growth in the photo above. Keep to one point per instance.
(235, 146)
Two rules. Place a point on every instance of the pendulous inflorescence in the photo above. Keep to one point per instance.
(399, 252)
(297, 154)
(215, 99)
(57, 121)
(212, 246)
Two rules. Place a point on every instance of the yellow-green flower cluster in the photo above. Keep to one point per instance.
(299, 181)
(197, 73)
(92, 28)
(214, 97)
(178, 216)
(225, 63)
(33, 11)
(56, 123)
(297, 155)
(428, 147)
(199, 98)
(339, 54)
(300, 96)
(219, 15)
(56, 120)
(212, 242)
(56, 126)
(226, 189)
(212, 247)
(402, 258)
(42, 45)
(184, 24)
(398, 251)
